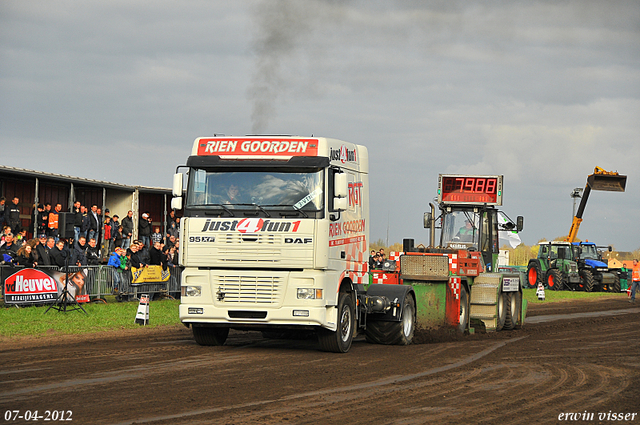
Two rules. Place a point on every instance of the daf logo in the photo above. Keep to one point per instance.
(298, 240)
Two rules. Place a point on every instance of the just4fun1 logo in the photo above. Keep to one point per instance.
(251, 225)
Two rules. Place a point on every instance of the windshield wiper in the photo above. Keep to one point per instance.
(231, 214)
(284, 214)
(295, 211)
(266, 213)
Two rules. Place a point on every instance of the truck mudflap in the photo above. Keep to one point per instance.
(497, 302)
(396, 294)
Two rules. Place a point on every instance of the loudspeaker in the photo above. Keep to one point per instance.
(65, 225)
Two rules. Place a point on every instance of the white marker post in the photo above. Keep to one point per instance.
(540, 291)
(142, 316)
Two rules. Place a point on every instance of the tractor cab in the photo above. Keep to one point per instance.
(472, 229)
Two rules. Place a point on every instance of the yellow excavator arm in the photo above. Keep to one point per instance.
(600, 180)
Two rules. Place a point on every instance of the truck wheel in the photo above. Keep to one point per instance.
(513, 310)
(534, 275)
(205, 335)
(587, 280)
(339, 341)
(464, 310)
(502, 311)
(555, 280)
(394, 333)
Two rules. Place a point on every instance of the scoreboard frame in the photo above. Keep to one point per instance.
(467, 189)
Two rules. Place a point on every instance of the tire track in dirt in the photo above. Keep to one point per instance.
(354, 391)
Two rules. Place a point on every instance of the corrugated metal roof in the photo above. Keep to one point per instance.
(76, 180)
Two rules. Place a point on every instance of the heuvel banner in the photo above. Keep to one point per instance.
(33, 286)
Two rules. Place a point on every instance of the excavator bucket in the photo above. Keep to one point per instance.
(608, 182)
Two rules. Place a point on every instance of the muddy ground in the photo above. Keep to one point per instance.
(564, 361)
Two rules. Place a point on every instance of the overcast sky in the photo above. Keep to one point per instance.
(539, 91)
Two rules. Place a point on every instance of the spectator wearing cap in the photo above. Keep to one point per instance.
(41, 250)
(144, 229)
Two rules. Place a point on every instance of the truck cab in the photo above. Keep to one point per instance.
(274, 237)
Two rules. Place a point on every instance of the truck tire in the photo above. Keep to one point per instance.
(394, 333)
(555, 280)
(502, 311)
(339, 341)
(587, 280)
(513, 310)
(534, 275)
(464, 310)
(209, 336)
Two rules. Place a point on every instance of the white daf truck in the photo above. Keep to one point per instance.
(274, 237)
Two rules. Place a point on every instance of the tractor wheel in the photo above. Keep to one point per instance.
(464, 310)
(555, 280)
(339, 341)
(513, 310)
(210, 336)
(534, 275)
(587, 280)
(502, 311)
(615, 287)
(394, 333)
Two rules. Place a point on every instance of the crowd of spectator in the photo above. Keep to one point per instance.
(94, 234)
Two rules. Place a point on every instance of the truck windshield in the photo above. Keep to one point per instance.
(256, 190)
(460, 230)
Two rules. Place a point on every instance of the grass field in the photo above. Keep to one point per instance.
(32, 321)
(113, 315)
(559, 296)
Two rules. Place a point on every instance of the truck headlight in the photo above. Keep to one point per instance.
(309, 294)
(191, 291)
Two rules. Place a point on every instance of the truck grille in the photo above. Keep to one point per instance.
(248, 289)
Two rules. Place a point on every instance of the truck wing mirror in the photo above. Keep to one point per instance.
(427, 220)
(176, 203)
(519, 223)
(339, 204)
(177, 185)
(340, 186)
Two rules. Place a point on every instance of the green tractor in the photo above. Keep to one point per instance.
(555, 267)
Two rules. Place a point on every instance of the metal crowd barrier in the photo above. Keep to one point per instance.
(100, 281)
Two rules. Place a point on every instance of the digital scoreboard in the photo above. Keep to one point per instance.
(469, 190)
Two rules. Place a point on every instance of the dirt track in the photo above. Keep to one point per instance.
(160, 376)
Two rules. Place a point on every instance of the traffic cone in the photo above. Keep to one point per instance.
(540, 292)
